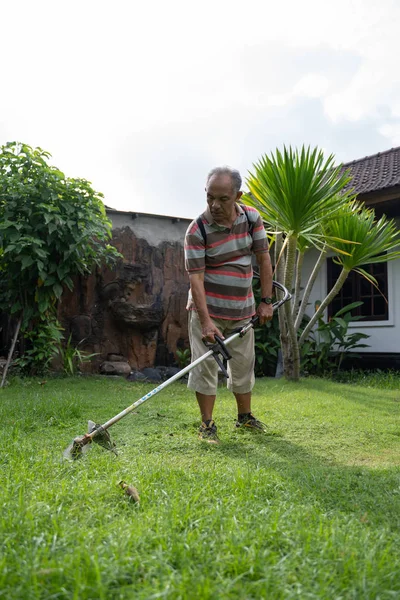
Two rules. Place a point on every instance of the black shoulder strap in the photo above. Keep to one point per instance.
(200, 224)
(251, 225)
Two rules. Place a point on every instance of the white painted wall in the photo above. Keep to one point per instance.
(319, 290)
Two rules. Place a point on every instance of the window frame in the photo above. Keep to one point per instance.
(368, 322)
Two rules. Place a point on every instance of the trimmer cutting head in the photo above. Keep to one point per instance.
(102, 437)
(80, 445)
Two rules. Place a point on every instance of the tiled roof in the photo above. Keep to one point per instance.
(376, 172)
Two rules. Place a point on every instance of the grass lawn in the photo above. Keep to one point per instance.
(309, 510)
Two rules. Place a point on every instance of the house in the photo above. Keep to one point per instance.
(376, 181)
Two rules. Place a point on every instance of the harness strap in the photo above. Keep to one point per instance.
(200, 224)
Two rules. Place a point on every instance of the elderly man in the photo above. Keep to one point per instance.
(218, 257)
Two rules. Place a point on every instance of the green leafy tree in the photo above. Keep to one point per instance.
(304, 201)
(52, 227)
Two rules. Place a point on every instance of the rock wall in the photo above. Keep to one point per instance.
(135, 310)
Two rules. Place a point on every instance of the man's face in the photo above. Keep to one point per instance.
(221, 198)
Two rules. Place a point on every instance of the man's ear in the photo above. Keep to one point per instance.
(239, 195)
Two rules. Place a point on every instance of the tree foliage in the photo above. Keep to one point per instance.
(52, 227)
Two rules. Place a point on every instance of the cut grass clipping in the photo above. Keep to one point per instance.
(309, 510)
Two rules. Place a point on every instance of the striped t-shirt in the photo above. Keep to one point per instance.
(226, 259)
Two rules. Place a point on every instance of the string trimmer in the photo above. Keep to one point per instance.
(99, 433)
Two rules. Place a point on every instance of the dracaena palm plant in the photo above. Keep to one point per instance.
(306, 201)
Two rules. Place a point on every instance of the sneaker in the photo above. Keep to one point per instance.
(248, 420)
(208, 432)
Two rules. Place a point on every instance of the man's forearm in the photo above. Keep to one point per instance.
(199, 297)
(264, 263)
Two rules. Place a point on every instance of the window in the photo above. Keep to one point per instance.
(357, 288)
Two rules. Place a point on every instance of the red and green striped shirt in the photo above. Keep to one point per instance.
(226, 259)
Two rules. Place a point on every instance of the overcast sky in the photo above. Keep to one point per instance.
(143, 98)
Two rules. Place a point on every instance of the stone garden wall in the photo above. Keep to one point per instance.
(133, 314)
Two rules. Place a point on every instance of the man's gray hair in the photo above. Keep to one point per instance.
(233, 174)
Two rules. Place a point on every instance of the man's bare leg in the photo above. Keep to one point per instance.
(243, 402)
(206, 405)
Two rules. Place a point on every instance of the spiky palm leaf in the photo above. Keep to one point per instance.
(372, 241)
(295, 190)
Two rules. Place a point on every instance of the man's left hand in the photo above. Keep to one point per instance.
(265, 313)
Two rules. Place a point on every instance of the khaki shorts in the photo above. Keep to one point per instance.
(204, 377)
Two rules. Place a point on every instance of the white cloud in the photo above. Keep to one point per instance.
(392, 132)
(312, 85)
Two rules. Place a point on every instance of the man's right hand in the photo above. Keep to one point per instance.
(208, 331)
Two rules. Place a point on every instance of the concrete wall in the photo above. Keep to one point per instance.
(153, 228)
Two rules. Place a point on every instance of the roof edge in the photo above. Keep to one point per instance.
(357, 160)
